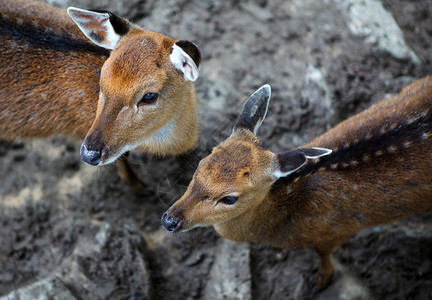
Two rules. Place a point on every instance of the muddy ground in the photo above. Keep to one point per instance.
(71, 231)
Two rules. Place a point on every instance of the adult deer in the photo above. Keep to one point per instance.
(117, 86)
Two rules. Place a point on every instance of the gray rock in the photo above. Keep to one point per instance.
(50, 288)
(108, 264)
(318, 91)
(112, 255)
(230, 276)
(369, 19)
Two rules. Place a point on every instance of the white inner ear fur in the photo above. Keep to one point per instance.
(183, 62)
(83, 18)
(278, 173)
(325, 152)
(260, 121)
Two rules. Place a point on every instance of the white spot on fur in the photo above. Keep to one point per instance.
(343, 195)
(378, 153)
(407, 144)
(425, 135)
(354, 163)
(391, 149)
(412, 120)
(289, 190)
(355, 187)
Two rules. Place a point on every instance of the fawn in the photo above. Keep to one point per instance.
(373, 168)
(119, 89)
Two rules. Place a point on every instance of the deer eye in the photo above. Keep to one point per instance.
(228, 200)
(148, 98)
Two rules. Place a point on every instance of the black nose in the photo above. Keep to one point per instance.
(90, 156)
(169, 223)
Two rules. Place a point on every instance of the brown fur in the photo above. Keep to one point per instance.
(45, 91)
(324, 205)
(49, 89)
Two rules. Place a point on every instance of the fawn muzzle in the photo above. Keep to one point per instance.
(170, 223)
(91, 156)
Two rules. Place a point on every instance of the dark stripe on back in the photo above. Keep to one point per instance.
(36, 36)
(344, 156)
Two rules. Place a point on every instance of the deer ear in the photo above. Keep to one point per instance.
(102, 27)
(290, 161)
(255, 110)
(186, 57)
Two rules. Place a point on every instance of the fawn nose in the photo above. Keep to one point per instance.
(91, 156)
(169, 223)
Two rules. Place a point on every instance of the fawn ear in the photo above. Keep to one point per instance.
(186, 57)
(290, 161)
(102, 27)
(255, 110)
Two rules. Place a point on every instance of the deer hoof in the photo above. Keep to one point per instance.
(323, 279)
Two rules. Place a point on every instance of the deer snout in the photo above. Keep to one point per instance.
(93, 148)
(90, 155)
(170, 223)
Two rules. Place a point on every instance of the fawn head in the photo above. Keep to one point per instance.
(237, 175)
(144, 84)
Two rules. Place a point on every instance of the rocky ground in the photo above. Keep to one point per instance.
(70, 231)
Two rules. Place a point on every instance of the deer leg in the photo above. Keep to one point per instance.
(127, 174)
(325, 270)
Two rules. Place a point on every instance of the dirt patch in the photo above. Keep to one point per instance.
(53, 208)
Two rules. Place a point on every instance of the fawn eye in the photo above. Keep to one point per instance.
(229, 200)
(148, 98)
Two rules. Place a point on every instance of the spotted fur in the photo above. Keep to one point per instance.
(380, 170)
(381, 138)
